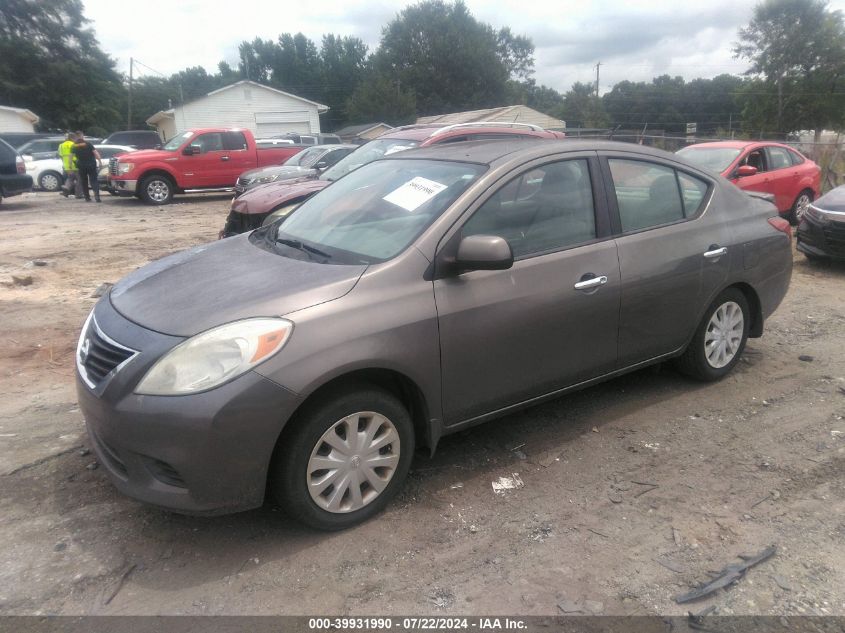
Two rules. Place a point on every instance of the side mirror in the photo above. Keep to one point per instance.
(191, 150)
(484, 252)
(157, 146)
(746, 170)
(321, 165)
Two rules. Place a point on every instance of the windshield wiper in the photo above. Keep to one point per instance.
(305, 248)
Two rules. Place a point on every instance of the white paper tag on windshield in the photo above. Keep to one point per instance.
(414, 193)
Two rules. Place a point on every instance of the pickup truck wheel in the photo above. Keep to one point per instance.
(156, 190)
(50, 181)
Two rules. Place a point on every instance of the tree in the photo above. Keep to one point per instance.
(344, 66)
(51, 63)
(450, 60)
(381, 99)
(582, 108)
(797, 47)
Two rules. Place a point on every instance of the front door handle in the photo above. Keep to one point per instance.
(224, 158)
(715, 251)
(593, 282)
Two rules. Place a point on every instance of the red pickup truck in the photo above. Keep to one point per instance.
(197, 160)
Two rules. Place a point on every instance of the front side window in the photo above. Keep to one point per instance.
(212, 142)
(375, 212)
(545, 209)
(176, 142)
(647, 194)
(756, 159)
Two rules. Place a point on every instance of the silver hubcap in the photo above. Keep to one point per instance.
(724, 334)
(801, 205)
(49, 182)
(353, 462)
(158, 190)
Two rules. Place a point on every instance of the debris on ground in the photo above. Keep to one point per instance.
(514, 482)
(696, 620)
(456, 486)
(119, 584)
(773, 495)
(782, 582)
(20, 280)
(442, 598)
(670, 565)
(727, 576)
(806, 358)
(101, 290)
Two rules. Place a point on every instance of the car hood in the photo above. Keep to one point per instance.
(151, 154)
(225, 281)
(265, 198)
(833, 200)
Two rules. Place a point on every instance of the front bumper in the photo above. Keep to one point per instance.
(821, 237)
(205, 453)
(123, 187)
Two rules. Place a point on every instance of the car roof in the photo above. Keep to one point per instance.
(487, 152)
(334, 146)
(423, 132)
(736, 144)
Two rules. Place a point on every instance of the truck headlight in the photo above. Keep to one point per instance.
(208, 360)
(125, 168)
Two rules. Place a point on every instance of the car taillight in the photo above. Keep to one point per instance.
(781, 225)
(20, 165)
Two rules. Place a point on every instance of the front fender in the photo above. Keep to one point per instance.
(142, 171)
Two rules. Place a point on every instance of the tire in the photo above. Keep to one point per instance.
(156, 190)
(702, 360)
(304, 449)
(50, 181)
(799, 206)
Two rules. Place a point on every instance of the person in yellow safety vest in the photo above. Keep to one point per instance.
(72, 182)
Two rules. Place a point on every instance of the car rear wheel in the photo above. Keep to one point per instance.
(156, 190)
(800, 206)
(720, 338)
(50, 181)
(344, 459)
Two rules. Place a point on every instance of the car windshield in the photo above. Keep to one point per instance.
(304, 158)
(176, 142)
(375, 212)
(713, 158)
(366, 154)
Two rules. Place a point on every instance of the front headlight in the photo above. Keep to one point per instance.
(263, 180)
(214, 357)
(125, 168)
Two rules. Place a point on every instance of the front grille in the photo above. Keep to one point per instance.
(98, 355)
(238, 223)
(113, 166)
(834, 234)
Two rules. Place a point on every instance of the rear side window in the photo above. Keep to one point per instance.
(693, 191)
(779, 158)
(647, 194)
(797, 159)
(234, 141)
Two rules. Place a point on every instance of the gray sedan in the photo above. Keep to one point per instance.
(309, 163)
(419, 295)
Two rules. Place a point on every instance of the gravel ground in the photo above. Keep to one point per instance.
(633, 490)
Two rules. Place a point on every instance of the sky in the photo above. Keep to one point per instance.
(634, 40)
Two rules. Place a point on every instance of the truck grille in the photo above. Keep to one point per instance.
(97, 355)
(113, 165)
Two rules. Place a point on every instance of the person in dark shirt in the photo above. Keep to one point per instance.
(88, 163)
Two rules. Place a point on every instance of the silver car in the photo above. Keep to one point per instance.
(417, 296)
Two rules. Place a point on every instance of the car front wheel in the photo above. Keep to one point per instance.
(50, 181)
(720, 338)
(344, 459)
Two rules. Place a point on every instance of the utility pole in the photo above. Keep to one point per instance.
(129, 113)
(598, 65)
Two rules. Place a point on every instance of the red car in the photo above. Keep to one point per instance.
(255, 207)
(793, 179)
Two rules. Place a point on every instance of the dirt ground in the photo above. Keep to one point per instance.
(633, 489)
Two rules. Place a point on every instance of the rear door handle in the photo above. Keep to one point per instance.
(593, 282)
(715, 252)
(224, 158)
